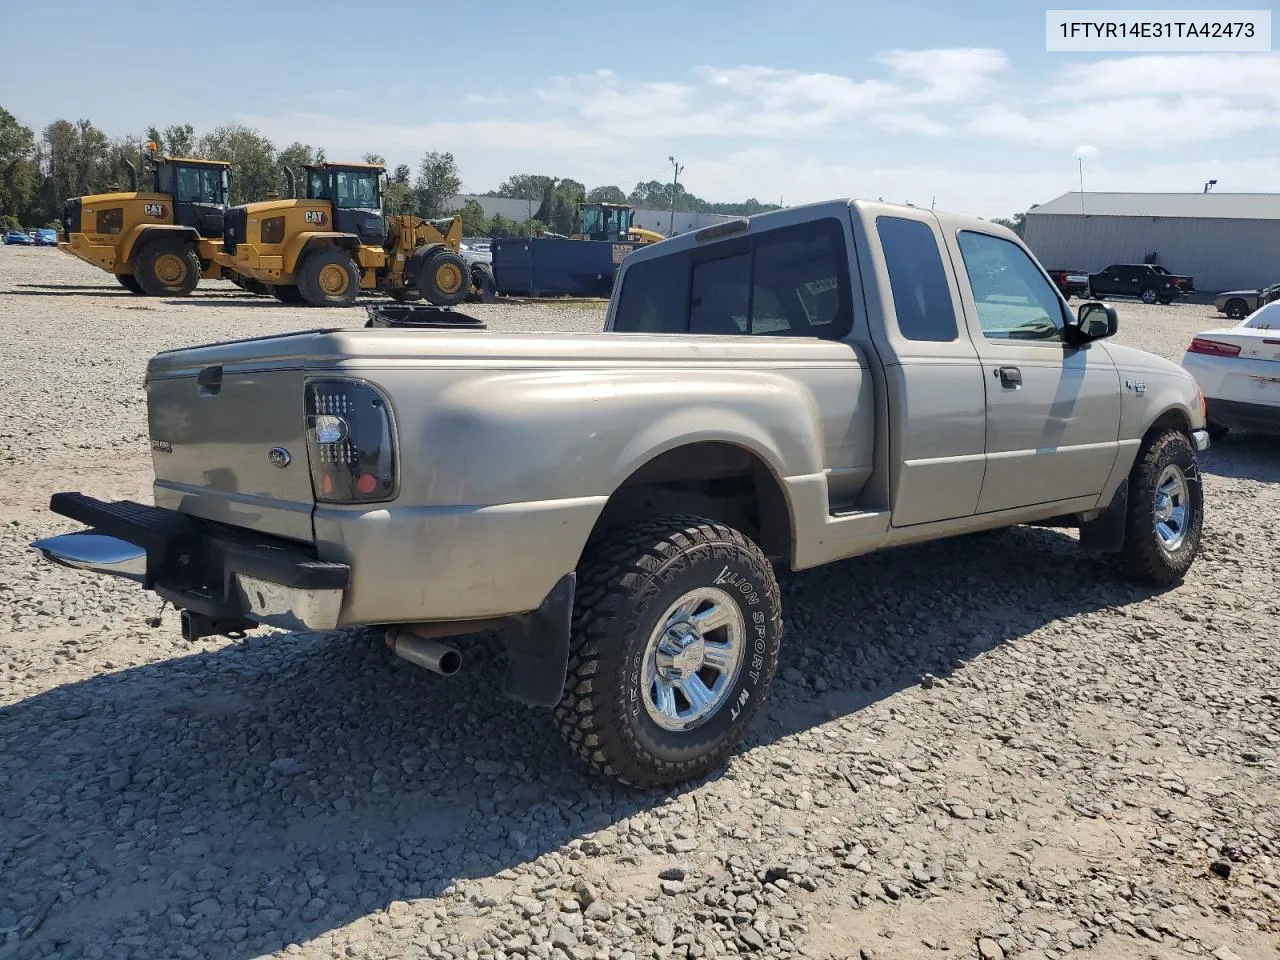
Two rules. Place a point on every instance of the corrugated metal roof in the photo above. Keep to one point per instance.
(1225, 206)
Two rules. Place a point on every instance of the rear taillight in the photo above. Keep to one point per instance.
(350, 442)
(1213, 348)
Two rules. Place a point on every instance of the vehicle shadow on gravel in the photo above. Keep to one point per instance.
(224, 804)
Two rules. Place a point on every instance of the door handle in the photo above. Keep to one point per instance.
(1010, 377)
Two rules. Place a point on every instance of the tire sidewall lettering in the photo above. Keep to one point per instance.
(743, 583)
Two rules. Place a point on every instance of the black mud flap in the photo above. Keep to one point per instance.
(538, 648)
(1105, 534)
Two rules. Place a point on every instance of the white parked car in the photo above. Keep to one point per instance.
(1238, 370)
(475, 253)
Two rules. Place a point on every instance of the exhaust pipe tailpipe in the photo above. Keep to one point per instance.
(437, 657)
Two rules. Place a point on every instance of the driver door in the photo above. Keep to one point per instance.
(1053, 411)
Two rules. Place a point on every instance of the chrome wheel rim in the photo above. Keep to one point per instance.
(1172, 507)
(692, 659)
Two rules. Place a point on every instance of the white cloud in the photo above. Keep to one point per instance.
(948, 75)
(756, 129)
(911, 122)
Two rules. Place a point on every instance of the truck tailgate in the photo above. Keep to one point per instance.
(228, 440)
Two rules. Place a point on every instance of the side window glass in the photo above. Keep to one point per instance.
(1014, 300)
(654, 296)
(718, 298)
(188, 190)
(921, 297)
(801, 281)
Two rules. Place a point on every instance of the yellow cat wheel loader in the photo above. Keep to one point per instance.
(160, 242)
(325, 248)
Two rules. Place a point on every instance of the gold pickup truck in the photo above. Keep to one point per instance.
(789, 390)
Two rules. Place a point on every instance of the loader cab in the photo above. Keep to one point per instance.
(354, 192)
(606, 221)
(199, 189)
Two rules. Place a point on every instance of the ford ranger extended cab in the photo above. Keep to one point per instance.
(807, 385)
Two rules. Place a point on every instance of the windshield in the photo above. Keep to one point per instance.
(201, 185)
(592, 221)
(618, 221)
(357, 189)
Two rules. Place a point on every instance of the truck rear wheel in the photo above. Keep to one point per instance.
(1165, 512)
(167, 268)
(675, 637)
(1149, 295)
(129, 282)
(445, 278)
(329, 278)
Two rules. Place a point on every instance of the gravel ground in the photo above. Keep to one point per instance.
(1024, 760)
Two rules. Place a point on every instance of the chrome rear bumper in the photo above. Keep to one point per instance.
(89, 550)
(222, 578)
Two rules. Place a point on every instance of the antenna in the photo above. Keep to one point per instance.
(675, 179)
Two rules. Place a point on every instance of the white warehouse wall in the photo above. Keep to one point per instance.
(1221, 254)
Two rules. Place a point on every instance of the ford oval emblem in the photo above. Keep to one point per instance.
(279, 456)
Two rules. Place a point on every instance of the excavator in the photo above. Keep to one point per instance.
(160, 242)
(325, 248)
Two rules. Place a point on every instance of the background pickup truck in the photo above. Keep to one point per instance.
(1071, 283)
(1150, 283)
(808, 385)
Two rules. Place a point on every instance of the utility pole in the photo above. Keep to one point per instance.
(675, 179)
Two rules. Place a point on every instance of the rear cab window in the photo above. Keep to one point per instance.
(789, 281)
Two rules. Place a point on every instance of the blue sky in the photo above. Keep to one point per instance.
(804, 100)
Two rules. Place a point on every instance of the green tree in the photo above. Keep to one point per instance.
(295, 157)
(255, 172)
(608, 194)
(1018, 223)
(398, 197)
(474, 221)
(525, 186)
(180, 140)
(438, 180)
(19, 174)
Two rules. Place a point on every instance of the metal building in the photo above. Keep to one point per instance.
(1225, 240)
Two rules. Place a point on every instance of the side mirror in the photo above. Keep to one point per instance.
(1094, 321)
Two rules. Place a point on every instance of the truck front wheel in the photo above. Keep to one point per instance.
(1165, 512)
(128, 281)
(329, 278)
(167, 268)
(445, 278)
(675, 637)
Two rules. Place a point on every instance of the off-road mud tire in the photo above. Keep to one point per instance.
(625, 584)
(1143, 559)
